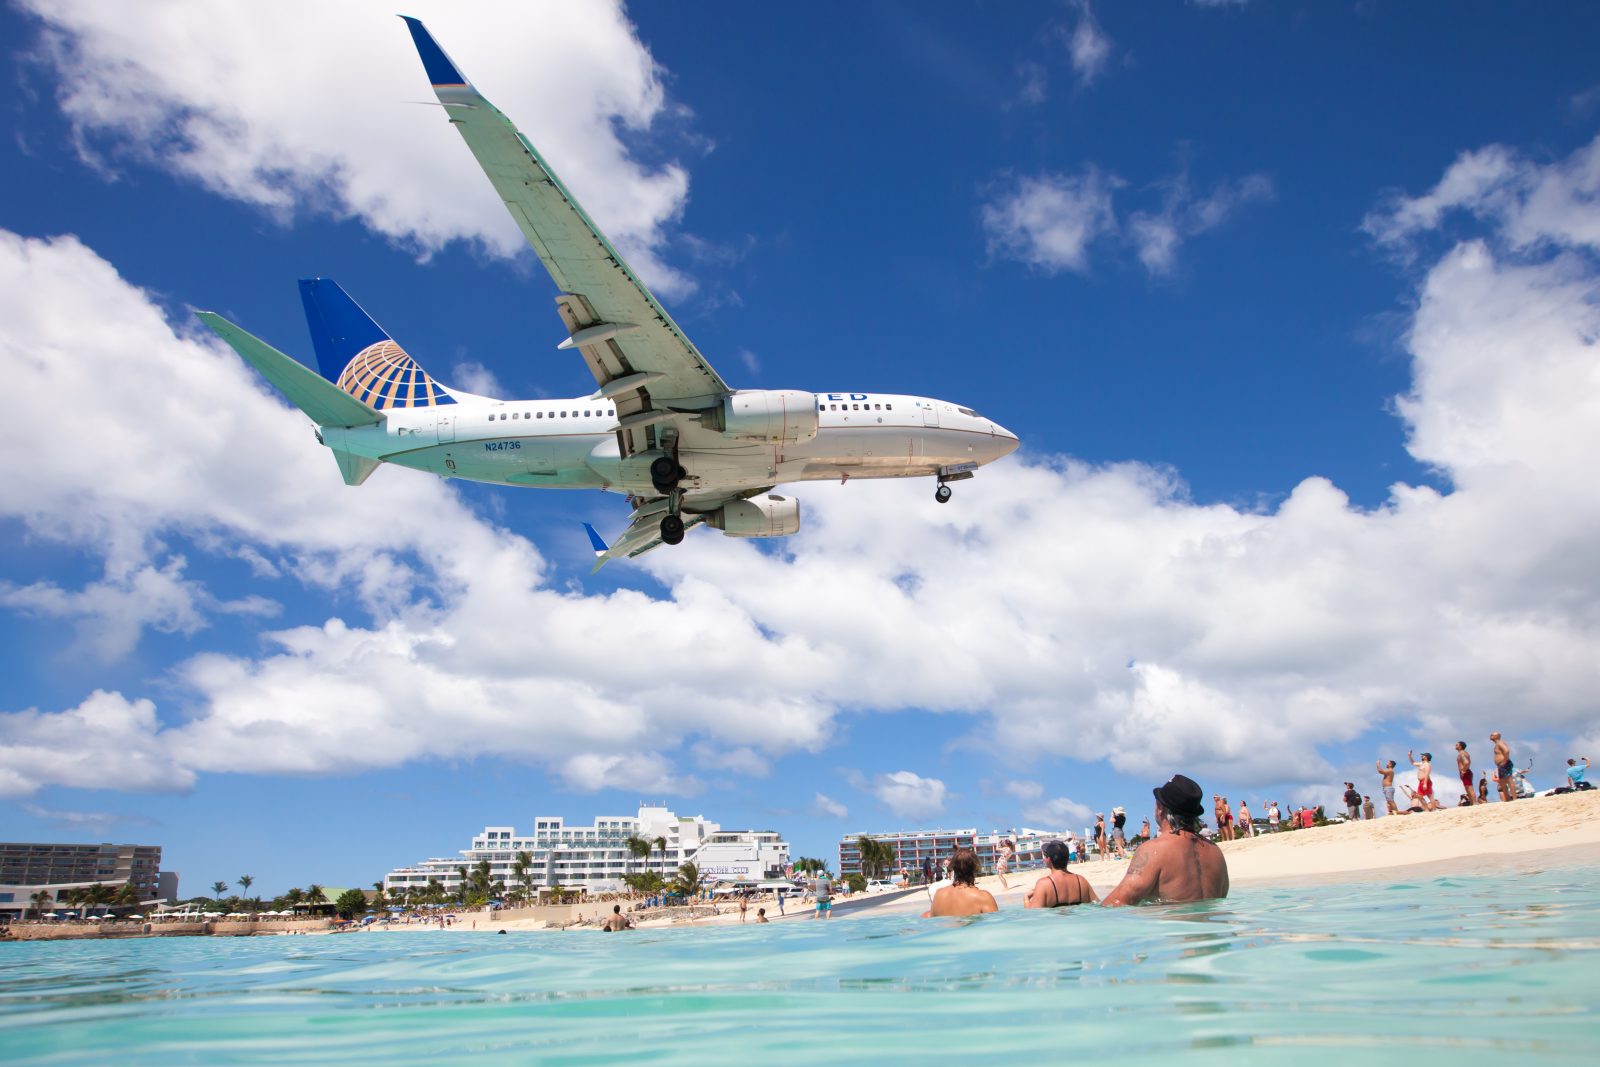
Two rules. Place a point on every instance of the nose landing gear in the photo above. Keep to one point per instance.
(672, 529)
(958, 473)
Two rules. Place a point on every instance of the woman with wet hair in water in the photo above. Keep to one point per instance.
(1059, 888)
(962, 896)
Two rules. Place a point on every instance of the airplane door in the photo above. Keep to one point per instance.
(447, 429)
(930, 414)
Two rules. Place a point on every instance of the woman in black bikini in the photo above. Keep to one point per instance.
(1059, 888)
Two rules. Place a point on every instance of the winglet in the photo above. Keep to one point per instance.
(441, 71)
(602, 554)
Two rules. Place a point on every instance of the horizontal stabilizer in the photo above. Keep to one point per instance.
(324, 402)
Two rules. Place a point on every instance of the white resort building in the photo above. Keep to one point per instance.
(914, 847)
(595, 858)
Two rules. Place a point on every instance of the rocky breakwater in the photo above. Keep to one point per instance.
(52, 930)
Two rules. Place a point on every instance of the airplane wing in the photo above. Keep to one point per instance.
(642, 535)
(638, 355)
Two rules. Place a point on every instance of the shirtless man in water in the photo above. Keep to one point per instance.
(962, 896)
(1179, 864)
(1059, 887)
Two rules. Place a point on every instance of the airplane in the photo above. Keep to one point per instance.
(662, 426)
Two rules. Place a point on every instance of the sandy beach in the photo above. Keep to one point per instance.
(1455, 840)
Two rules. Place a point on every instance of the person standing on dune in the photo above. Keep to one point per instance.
(1424, 768)
(1386, 776)
(1504, 770)
(1464, 769)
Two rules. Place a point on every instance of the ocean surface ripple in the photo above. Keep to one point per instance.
(1504, 963)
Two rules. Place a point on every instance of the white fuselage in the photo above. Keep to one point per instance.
(572, 444)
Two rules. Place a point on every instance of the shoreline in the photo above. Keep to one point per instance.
(1538, 832)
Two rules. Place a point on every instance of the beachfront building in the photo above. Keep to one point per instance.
(912, 847)
(596, 857)
(28, 868)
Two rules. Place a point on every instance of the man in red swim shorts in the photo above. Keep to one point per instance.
(1424, 768)
(1464, 768)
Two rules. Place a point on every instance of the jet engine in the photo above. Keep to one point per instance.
(765, 516)
(771, 415)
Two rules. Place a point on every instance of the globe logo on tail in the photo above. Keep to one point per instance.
(383, 376)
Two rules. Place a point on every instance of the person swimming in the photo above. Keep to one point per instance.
(1179, 864)
(1059, 888)
(962, 896)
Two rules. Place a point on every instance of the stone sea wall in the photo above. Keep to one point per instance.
(71, 931)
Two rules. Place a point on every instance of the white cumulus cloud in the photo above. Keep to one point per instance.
(910, 795)
(826, 806)
(1157, 633)
(298, 106)
(1087, 45)
(1158, 235)
(1047, 813)
(1050, 221)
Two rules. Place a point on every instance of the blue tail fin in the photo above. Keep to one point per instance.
(356, 354)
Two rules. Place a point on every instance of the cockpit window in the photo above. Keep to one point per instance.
(969, 411)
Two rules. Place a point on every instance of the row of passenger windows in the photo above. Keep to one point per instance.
(857, 407)
(585, 414)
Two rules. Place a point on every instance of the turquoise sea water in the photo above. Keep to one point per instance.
(1325, 973)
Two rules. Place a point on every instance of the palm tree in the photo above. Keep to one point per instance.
(480, 881)
(638, 847)
(661, 843)
(126, 896)
(521, 867)
(876, 856)
(218, 888)
(380, 900)
(810, 865)
(315, 896)
(42, 900)
(688, 880)
(99, 895)
(245, 882)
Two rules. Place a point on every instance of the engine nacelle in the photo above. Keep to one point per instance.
(765, 516)
(773, 416)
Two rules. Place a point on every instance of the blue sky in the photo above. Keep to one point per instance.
(1291, 305)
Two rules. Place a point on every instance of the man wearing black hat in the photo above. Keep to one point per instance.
(1179, 864)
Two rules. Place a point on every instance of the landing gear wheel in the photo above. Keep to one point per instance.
(665, 473)
(942, 494)
(672, 530)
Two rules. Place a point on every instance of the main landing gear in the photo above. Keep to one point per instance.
(672, 529)
(665, 474)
